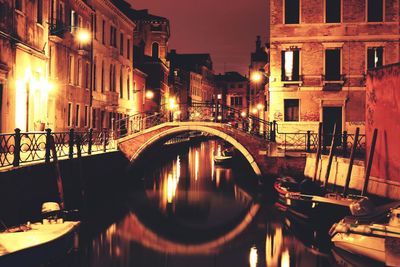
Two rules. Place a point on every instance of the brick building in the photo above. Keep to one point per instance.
(150, 50)
(233, 88)
(319, 55)
(113, 97)
(26, 98)
(196, 74)
(70, 64)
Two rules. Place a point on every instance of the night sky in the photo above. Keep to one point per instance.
(225, 28)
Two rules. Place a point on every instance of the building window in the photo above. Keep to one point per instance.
(60, 19)
(113, 36)
(103, 32)
(375, 57)
(70, 69)
(291, 109)
(86, 116)
(332, 64)
(78, 76)
(74, 21)
(95, 26)
(69, 115)
(87, 72)
(40, 11)
(128, 87)
(94, 119)
(292, 11)
(128, 49)
(102, 76)
(333, 11)
(236, 101)
(121, 85)
(155, 50)
(94, 74)
(18, 5)
(121, 44)
(375, 10)
(77, 111)
(290, 65)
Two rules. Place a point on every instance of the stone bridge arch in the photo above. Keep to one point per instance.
(252, 148)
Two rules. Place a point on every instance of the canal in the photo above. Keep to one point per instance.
(184, 210)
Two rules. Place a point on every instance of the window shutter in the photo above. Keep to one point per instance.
(296, 65)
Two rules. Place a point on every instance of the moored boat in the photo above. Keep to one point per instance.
(33, 244)
(378, 239)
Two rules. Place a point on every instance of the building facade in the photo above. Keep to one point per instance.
(113, 95)
(151, 37)
(233, 89)
(69, 67)
(25, 93)
(319, 55)
(258, 73)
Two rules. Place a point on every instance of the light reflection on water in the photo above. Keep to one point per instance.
(193, 213)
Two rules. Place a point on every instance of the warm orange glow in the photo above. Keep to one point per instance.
(253, 257)
(243, 114)
(172, 103)
(84, 36)
(256, 77)
(254, 111)
(149, 94)
(260, 106)
(219, 117)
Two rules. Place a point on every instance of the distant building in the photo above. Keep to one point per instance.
(196, 76)
(27, 100)
(258, 81)
(233, 89)
(320, 53)
(150, 51)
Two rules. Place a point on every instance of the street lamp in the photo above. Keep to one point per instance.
(258, 78)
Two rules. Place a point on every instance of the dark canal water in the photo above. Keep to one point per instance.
(187, 211)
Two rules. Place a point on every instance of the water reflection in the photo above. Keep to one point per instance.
(194, 213)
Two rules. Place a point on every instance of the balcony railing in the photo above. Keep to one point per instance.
(20, 148)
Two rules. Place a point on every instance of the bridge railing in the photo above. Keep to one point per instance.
(25, 147)
(196, 111)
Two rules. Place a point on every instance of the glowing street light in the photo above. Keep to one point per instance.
(84, 36)
(260, 106)
(243, 114)
(149, 94)
(254, 111)
(171, 103)
(256, 77)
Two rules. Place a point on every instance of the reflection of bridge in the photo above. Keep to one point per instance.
(248, 134)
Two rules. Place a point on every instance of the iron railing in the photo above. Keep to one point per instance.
(196, 111)
(308, 142)
(25, 147)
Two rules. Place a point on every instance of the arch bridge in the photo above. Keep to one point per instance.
(248, 134)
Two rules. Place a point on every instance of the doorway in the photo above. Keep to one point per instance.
(330, 117)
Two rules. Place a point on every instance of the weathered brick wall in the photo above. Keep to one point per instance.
(354, 10)
(383, 113)
(311, 12)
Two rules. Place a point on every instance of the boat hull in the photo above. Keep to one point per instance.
(48, 251)
(368, 246)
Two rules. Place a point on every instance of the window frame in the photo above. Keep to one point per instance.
(283, 70)
(367, 12)
(373, 46)
(340, 61)
(284, 13)
(284, 110)
(69, 114)
(341, 13)
(77, 115)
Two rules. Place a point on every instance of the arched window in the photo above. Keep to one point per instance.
(155, 50)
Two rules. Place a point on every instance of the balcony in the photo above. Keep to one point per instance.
(57, 31)
(333, 82)
(111, 98)
(295, 80)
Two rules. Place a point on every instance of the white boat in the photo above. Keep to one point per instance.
(221, 159)
(27, 244)
(378, 241)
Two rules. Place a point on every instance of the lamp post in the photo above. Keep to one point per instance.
(259, 78)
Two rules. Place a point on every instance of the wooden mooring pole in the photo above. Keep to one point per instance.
(331, 152)
(350, 168)
(318, 151)
(369, 165)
